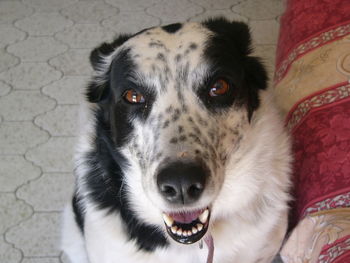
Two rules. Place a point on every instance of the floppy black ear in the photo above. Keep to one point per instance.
(237, 32)
(98, 89)
(255, 79)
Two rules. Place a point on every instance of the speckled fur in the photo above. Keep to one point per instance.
(248, 160)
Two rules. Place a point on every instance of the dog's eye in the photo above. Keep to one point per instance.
(133, 96)
(220, 87)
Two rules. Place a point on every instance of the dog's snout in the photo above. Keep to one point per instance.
(182, 183)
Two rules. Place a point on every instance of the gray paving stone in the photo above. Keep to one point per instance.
(17, 137)
(267, 10)
(30, 75)
(214, 13)
(22, 105)
(175, 11)
(44, 24)
(12, 10)
(259, 32)
(89, 12)
(16, 171)
(12, 211)
(85, 35)
(73, 62)
(4, 89)
(9, 254)
(218, 4)
(56, 155)
(68, 90)
(64, 258)
(9, 34)
(122, 23)
(7, 60)
(37, 49)
(38, 236)
(62, 121)
(135, 5)
(41, 260)
(55, 187)
(49, 5)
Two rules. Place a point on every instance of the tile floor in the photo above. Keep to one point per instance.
(44, 48)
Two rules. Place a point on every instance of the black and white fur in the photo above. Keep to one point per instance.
(116, 213)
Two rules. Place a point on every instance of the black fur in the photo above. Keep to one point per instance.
(228, 51)
(172, 28)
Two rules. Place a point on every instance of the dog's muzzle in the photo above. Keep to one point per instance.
(182, 184)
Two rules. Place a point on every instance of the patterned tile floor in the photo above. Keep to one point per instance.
(44, 48)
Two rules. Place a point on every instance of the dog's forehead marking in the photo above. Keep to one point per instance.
(169, 55)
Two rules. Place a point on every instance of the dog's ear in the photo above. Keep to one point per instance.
(98, 88)
(236, 32)
(255, 79)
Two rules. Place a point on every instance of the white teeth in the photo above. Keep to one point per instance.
(174, 229)
(184, 233)
(168, 220)
(204, 216)
(179, 232)
(189, 233)
(194, 230)
(199, 227)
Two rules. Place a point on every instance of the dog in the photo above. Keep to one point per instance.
(183, 156)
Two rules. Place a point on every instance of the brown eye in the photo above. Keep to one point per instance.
(133, 96)
(220, 87)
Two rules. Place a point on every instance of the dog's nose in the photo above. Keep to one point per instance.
(182, 183)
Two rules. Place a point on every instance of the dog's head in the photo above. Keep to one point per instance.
(177, 101)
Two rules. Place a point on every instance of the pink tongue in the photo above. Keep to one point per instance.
(186, 218)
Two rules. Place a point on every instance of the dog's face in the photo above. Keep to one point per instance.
(178, 101)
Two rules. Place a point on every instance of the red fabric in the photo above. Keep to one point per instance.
(305, 19)
(322, 156)
(337, 252)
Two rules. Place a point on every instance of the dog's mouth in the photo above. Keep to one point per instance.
(187, 227)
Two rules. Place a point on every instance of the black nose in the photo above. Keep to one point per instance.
(182, 183)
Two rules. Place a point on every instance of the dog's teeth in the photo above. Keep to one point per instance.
(204, 216)
(179, 232)
(189, 233)
(168, 220)
(184, 233)
(194, 230)
(174, 229)
(199, 227)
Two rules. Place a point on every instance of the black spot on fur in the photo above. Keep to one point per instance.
(181, 129)
(193, 46)
(176, 115)
(161, 57)
(166, 124)
(156, 44)
(169, 109)
(182, 138)
(173, 140)
(178, 57)
(172, 28)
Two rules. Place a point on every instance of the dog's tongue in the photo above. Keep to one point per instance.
(184, 217)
